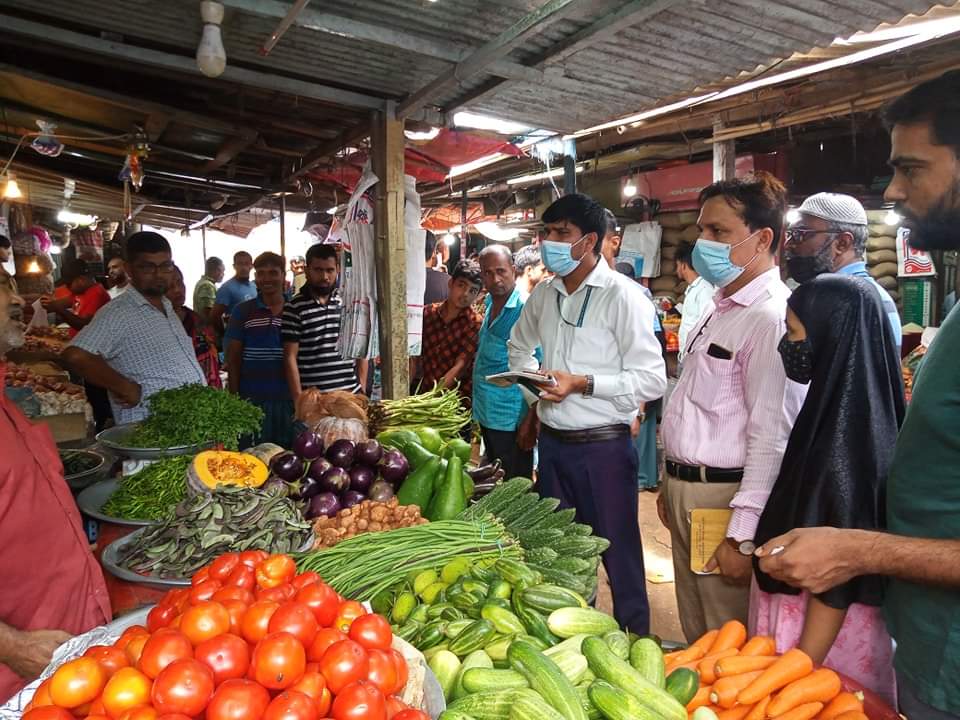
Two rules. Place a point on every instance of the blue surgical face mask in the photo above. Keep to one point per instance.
(558, 256)
(711, 260)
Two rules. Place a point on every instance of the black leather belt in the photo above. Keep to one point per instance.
(699, 473)
(595, 434)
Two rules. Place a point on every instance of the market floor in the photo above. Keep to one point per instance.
(664, 619)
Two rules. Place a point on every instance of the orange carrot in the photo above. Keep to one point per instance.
(725, 690)
(700, 699)
(705, 642)
(691, 654)
(732, 635)
(843, 703)
(671, 656)
(706, 667)
(759, 645)
(740, 664)
(801, 712)
(792, 665)
(759, 711)
(821, 685)
(853, 715)
(737, 712)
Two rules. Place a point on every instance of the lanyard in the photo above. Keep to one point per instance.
(699, 333)
(583, 309)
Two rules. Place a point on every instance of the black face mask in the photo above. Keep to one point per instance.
(797, 357)
(804, 268)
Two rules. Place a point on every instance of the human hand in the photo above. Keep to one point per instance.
(735, 568)
(129, 394)
(565, 384)
(33, 652)
(57, 306)
(814, 559)
(528, 430)
(635, 427)
(662, 510)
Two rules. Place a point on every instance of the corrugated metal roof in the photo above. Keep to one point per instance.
(680, 46)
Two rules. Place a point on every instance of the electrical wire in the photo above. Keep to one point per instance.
(124, 136)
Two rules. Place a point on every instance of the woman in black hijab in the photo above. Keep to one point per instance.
(834, 471)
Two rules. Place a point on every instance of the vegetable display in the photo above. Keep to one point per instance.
(77, 461)
(438, 408)
(203, 526)
(195, 415)
(250, 640)
(213, 468)
(367, 516)
(149, 493)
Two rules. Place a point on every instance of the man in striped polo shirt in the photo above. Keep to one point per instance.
(311, 326)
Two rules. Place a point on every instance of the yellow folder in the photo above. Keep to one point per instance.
(708, 528)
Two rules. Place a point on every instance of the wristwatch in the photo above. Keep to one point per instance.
(588, 390)
(747, 547)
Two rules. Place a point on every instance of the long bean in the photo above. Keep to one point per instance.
(363, 566)
(150, 493)
(438, 408)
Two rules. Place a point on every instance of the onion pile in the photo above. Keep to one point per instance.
(338, 477)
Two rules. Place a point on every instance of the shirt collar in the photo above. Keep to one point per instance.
(749, 293)
(140, 299)
(512, 301)
(600, 276)
(858, 266)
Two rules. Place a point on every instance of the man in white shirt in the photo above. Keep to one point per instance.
(117, 275)
(595, 328)
(698, 299)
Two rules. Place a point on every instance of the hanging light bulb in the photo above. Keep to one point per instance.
(449, 239)
(793, 215)
(33, 268)
(11, 190)
(629, 190)
(211, 56)
(892, 218)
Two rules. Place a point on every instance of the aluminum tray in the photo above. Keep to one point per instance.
(92, 499)
(80, 480)
(115, 438)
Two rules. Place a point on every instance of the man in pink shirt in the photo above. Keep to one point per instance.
(727, 422)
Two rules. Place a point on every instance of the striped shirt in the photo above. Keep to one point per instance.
(315, 327)
(737, 412)
(258, 330)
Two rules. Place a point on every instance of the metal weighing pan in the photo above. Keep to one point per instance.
(83, 479)
(117, 437)
(92, 499)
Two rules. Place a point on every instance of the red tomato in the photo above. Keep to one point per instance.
(279, 661)
(359, 701)
(134, 648)
(47, 712)
(96, 707)
(383, 672)
(205, 620)
(313, 685)
(92, 716)
(275, 570)
(372, 631)
(400, 663)
(395, 705)
(233, 592)
(237, 610)
(128, 634)
(343, 663)
(144, 712)
(223, 566)
(200, 576)
(324, 639)
(244, 576)
(291, 705)
(161, 616)
(77, 682)
(280, 593)
(204, 591)
(348, 611)
(82, 711)
(228, 656)
(322, 600)
(162, 648)
(304, 579)
(255, 621)
(41, 695)
(252, 558)
(184, 686)
(296, 619)
(109, 657)
(411, 714)
(173, 716)
(238, 700)
(127, 689)
(178, 598)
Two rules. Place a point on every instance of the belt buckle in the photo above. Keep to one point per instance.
(703, 473)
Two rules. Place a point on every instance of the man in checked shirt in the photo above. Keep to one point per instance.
(726, 424)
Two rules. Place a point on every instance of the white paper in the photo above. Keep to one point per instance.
(39, 319)
(640, 247)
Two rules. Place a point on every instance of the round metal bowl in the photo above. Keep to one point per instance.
(80, 480)
(118, 437)
(92, 499)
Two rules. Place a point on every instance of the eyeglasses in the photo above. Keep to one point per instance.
(799, 235)
(149, 268)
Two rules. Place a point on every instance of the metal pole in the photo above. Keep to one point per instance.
(203, 237)
(283, 226)
(569, 166)
(463, 223)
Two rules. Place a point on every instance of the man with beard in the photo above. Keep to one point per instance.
(919, 551)
(311, 326)
(117, 275)
(43, 542)
(831, 237)
(136, 345)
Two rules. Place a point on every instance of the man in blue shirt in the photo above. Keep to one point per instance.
(831, 236)
(234, 291)
(499, 411)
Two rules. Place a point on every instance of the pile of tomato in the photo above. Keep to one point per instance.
(249, 640)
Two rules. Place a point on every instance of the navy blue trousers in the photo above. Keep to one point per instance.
(599, 480)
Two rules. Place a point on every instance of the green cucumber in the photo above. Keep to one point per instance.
(497, 649)
(647, 658)
(534, 623)
(593, 713)
(682, 684)
(541, 555)
(472, 638)
(570, 621)
(490, 680)
(546, 679)
(445, 665)
(488, 705)
(454, 715)
(503, 620)
(573, 644)
(547, 598)
(474, 661)
(517, 573)
(620, 674)
(572, 664)
(615, 704)
(455, 627)
(535, 641)
(617, 641)
(529, 707)
(428, 654)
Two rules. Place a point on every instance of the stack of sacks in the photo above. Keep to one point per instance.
(882, 252)
(677, 227)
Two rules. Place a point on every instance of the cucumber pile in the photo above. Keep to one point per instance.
(564, 552)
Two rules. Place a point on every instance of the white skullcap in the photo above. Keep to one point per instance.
(835, 207)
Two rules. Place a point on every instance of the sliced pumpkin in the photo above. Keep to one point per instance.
(220, 467)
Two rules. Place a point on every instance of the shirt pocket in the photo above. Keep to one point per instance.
(714, 383)
(592, 351)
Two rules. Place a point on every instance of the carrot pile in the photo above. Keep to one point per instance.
(744, 679)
